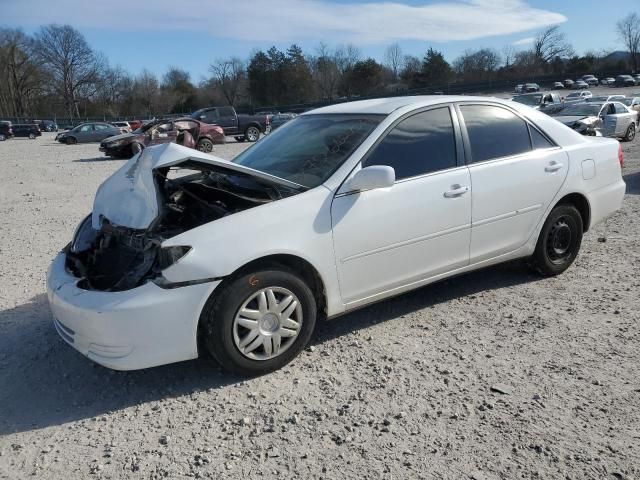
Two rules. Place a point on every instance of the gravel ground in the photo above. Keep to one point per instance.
(497, 374)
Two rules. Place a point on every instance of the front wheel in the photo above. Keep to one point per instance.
(631, 133)
(205, 145)
(258, 322)
(559, 241)
(71, 141)
(252, 134)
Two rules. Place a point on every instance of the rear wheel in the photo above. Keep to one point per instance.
(252, 134)
(71, 140)
(136, 148)
(258, 322)
(205, 145)
(32, 136)
(559, 241)
(631, 133)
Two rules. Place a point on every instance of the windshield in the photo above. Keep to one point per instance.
(309, 148)
(582, 110)
(528, 99)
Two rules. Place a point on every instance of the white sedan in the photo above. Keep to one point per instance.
(339, 208)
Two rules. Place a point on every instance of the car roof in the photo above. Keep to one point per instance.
(385, 106)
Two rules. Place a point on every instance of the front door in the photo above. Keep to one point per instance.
(516, 172)
(385, 239)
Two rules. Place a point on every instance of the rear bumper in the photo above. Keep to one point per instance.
(606, 201)
(128, 330)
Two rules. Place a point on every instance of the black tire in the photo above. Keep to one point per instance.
(71, 140)
(240, 139)
(252, 133)
(32, 136)
(631, 133)
(204, 145)
(559, 241)
(2, 137)
(218, 315)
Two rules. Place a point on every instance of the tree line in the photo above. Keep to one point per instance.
(55, 72)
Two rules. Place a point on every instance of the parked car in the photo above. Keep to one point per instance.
(239, 258)
(124, 127)
(608, 81)
(558, 85)
(545, 102)
(6, 132)
(624, 81)
(88, 132)
(46, 125)
(636, 78)
(519, 88)
(27, 130)
(568, 83)
(609, 119)
(242, 127)
(185, 131)
(531, 87)
(605, 98)
(589, 80)
(280, 119)
(580, 84)
(581, 95)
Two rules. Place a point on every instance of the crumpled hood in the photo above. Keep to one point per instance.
(128, 198)
(569, 120)
(123, 136)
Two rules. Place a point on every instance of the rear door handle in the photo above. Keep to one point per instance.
(553, 167)
(456, 191)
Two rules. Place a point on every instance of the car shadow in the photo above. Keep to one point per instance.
(45, 382)
(633, 183)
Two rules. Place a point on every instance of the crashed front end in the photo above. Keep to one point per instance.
(106, 289)
(119, 246)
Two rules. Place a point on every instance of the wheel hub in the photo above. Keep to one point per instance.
(559, 240)
(267, 323)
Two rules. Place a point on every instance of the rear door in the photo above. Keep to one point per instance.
(623, 118)
(228, 120)
(515, 171)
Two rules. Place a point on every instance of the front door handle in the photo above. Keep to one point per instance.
(553, 167)
(456, 191)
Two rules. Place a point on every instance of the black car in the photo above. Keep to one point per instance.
(47, 125)
(30, 130)
(624, 81)
(6, 131)
(279, 119)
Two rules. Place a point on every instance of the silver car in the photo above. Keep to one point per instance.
(608, 119)
(88, 132)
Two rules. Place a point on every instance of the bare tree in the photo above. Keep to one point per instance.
(477, 65)
(70, 62)
(20, 75)
(393, 59)
(231, 76)
(551, 43)
(146, 92)
(629, 32)
(508, 55)
(346, 56)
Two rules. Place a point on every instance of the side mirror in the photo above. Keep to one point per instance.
(369, 178)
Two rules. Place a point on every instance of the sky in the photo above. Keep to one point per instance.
(191, 34)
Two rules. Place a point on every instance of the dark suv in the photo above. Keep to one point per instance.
(29, 130)
(6, 131)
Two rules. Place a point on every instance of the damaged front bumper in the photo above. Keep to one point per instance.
(127, 330)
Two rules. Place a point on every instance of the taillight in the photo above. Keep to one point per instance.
(620, 156)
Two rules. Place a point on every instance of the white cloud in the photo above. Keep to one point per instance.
(524, 41)
(294, 20)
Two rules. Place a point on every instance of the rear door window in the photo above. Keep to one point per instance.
(420, 144)
(494, 132)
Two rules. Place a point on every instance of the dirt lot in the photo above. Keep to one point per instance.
(495, 374)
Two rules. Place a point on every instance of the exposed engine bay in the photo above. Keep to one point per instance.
(116, 257)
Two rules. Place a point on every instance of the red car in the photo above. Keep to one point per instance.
(185, 131)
